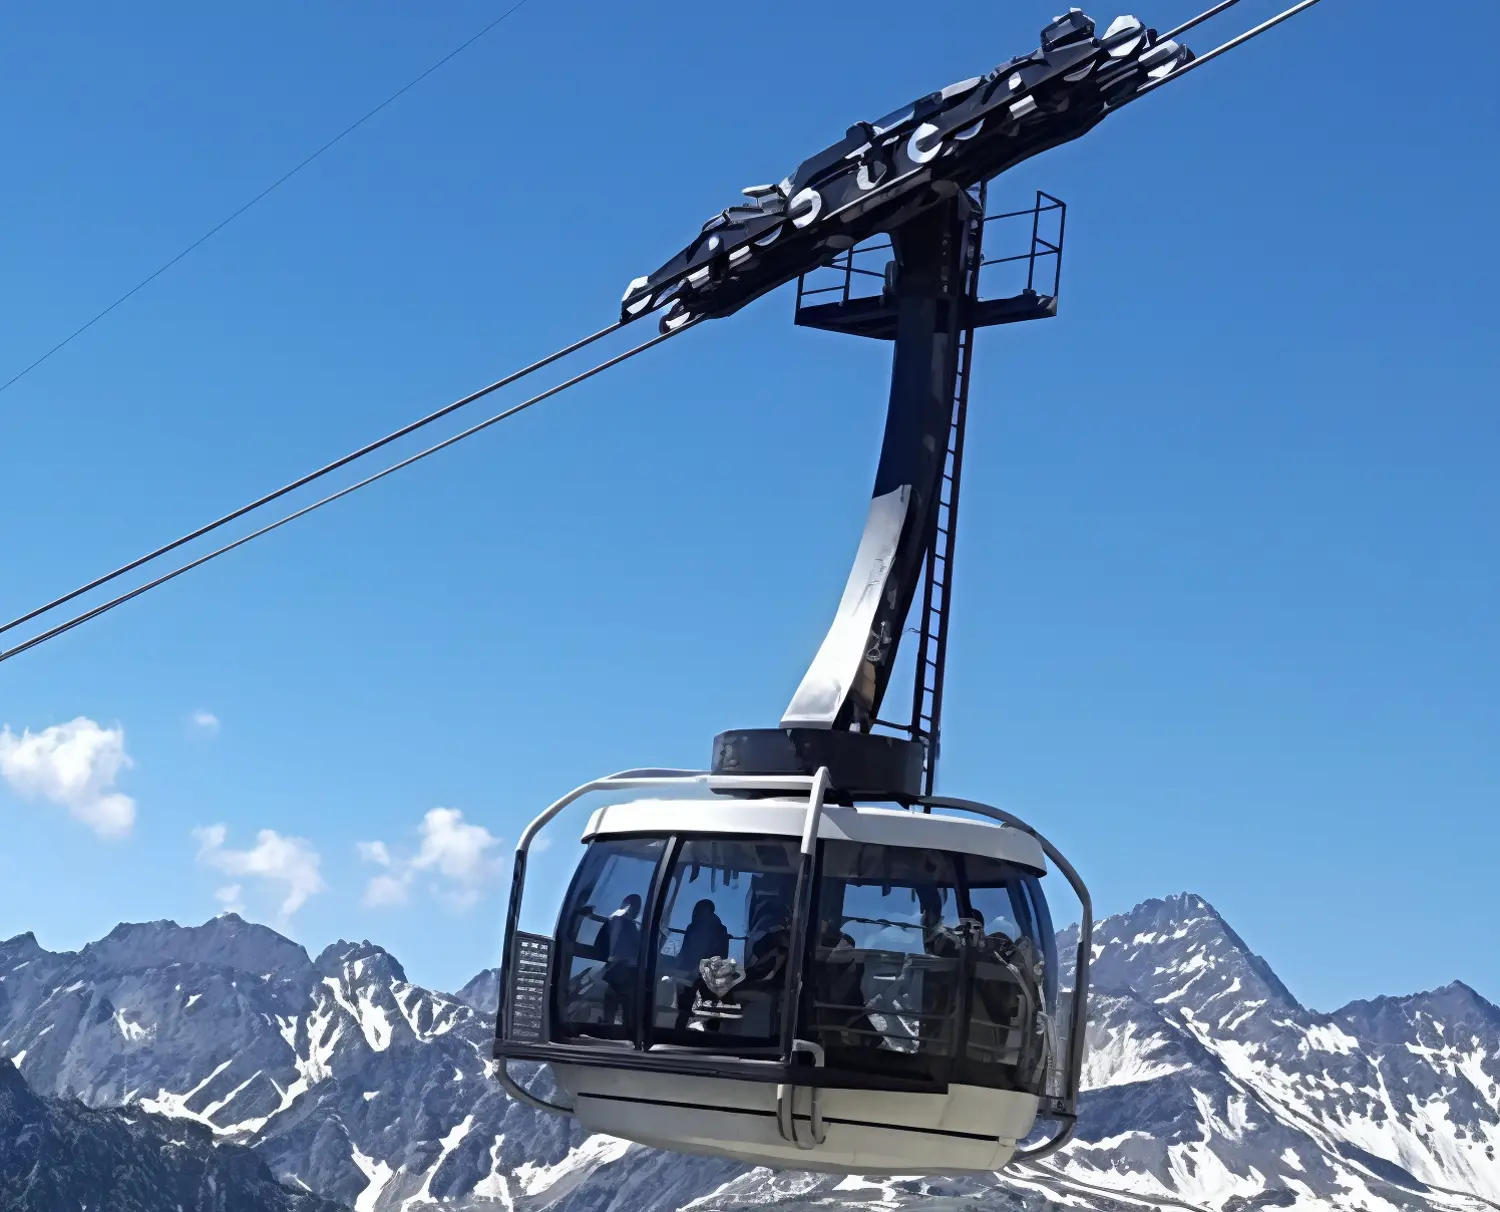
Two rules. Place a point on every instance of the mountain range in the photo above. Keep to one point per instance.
(1207, 1086)
(57, 1153)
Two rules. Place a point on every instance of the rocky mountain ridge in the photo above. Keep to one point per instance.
(57, 1154)
(1208, 1085)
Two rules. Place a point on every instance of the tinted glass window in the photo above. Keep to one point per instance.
(887, 959)
(599, 935)
(1007, 1040)
(1056, 1021)
(722, 942)
(1046, 939)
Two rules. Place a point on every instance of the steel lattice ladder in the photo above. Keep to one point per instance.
(937, 581)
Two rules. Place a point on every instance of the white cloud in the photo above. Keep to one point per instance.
(454, 861)
(386, 890)
(75, 765)
(289, 864)
(206, 723)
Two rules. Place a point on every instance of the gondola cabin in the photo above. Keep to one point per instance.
(794, 983)
(806, 959)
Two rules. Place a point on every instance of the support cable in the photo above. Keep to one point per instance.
(271, 188)
(1198, 20)
(310, 477)
(1223, 48)
(95, 612)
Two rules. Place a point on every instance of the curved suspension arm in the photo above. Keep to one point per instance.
(936, 255)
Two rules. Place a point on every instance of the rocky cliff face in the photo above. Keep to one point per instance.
(1209, 1083)
(1207, 1086)
(57, 1154)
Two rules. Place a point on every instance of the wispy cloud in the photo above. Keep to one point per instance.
(288, 865)
(204, 723)
(455, 861)
(74, 765)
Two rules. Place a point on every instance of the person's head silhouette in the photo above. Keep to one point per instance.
(703, 911)
(630, 907)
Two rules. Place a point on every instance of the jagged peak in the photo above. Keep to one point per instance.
(482, 993)
(1159, 917)
(366, 958)
(14, 1088)
(1184, 915)
(1456, 997)
(224, 941)
(1463, 989)
(21, 949)
(12, 1084)
(1189, 902)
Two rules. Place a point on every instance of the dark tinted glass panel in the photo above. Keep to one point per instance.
(723, 936)
(1056, 1019)
(1046, 937)
(887, 960)
(599, 935)
(1008, 1036)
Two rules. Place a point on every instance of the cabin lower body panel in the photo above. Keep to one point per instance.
(865, 1132)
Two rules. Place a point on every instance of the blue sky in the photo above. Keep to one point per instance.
(1227, 585)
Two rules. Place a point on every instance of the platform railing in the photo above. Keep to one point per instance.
(859, 272)
(1046, 212)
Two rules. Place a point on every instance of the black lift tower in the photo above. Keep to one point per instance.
(916, 180)
(927, 300)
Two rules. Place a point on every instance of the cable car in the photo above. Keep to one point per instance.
(798, 978)
(804, 957)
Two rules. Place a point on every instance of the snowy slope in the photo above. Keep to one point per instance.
(1208, 1085)
(56, 1154)
(343, 1076)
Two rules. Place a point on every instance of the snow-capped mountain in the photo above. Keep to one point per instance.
(1209, 1083)
(57, 1153)
(1207, 1086)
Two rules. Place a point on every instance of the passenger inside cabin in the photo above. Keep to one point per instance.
(706, 936)
(622, 944)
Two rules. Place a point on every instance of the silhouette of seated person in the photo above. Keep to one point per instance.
(759, 995)
(706, 937)
(889, 1004)
(1005, 992)
(839, 1017)
(622, 963)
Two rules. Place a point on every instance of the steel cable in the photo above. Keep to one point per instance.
(271, 188)
(95, 612)
(309, 478)
(1222, 48)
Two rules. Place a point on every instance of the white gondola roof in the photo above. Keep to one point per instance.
(788, 817)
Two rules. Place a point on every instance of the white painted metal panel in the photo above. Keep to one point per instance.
(785, 818)
(868, 1132)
